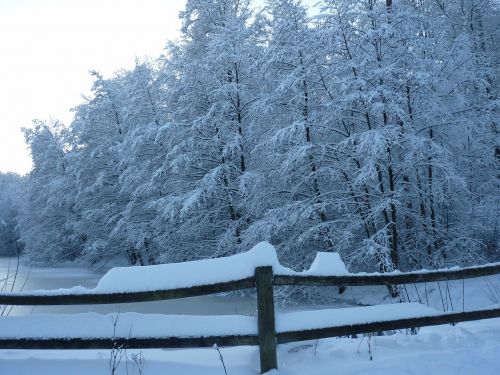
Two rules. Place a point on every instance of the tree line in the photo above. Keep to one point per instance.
(365, 127)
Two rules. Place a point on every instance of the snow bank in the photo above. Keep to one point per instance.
(327, 264)
(188, 274)
(201, 272)
(317, 319)
(93, 325)
(211, 271)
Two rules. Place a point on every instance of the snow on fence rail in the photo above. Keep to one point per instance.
(390, 278)
(259, 268)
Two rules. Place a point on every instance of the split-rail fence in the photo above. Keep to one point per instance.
(267, 338)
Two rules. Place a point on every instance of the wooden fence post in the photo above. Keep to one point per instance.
(267, 330)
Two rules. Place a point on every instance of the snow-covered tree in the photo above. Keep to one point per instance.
(402, 97)
(293, 197)
(48, 210)
(209, 94)
(370, 128)
(142, 156)
(95, 159)
(10, 203)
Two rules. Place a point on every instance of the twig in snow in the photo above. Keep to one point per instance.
(221, 358)
(137, 362)
(463, 294)
(117, 352)
(441, 294)
(449, 295)
(407, 295)
(418, 294)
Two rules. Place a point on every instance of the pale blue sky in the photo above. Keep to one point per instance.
(48, 46)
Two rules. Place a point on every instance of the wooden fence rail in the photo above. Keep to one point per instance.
(387, 325)
(267, 338)
(238, 340)
(128, 342)
(36, 299)
(389, 279)
(33, 299)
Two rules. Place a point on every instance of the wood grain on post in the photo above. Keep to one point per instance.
(267, 330)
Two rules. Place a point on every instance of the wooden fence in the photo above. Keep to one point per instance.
(267, 337)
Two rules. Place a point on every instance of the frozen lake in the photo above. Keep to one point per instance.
(66, 277)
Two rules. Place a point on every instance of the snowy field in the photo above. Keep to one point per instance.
(467, 348)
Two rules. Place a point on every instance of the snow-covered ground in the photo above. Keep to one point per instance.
(468, 348)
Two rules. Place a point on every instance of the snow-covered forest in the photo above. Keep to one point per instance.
(367, 127)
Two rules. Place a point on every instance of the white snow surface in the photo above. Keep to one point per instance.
(188, 274)
(469, 348)
(93, 325)
(327, 264)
